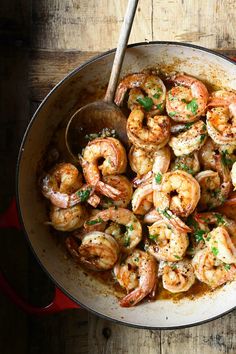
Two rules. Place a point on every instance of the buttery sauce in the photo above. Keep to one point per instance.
(197, 290)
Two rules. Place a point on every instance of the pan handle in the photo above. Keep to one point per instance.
(60, 301)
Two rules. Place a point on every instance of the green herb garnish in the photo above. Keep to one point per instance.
(158, 178)
(199, 235)
(193, 106)
(95, 221)
(177, 257)
(214, 250)
(184, 167)
(202, 137)
(220, 219)
(156, 95)
(227, 267)
(127, 241)
(225, 159)
(164, 212)
(153, 237)
(146, 102)
(159, 106)
(84, 194)
(130, 228)
(172, 114)
(188, 125)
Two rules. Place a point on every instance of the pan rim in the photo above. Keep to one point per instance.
(20, 154)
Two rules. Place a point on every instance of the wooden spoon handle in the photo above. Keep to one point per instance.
(120, 51)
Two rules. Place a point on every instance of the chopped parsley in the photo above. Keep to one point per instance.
(153, 237)
(130, 228)
(193, 106)
(172, 114)
(159, 106)
(164, 212)
(220, 219)
(146, 102)
(158, 178)
(227, 266)
(127, 241)
(214, 250)
(84, 194)
(177, 257)
(136, 259)
(225, 159)
(202, 137)
(188, 125)
(184, 167)
(156, 95)
(104, 133)
(95, 221)
(199, 235)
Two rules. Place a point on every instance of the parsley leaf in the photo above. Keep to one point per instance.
(188, 125)
(146, 102)
(227, 266)
(164, 212)
(158, 178)
(177, 257)
(84, 194)
(202, 137)
(214, 250)
(193, 106)
(156, 95)
(153, 237)
(127, 241)
(95, 221)
(220, 219)
(172, 114)
(225, 159)
(199, 235)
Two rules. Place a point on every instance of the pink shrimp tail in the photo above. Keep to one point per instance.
(132, 298)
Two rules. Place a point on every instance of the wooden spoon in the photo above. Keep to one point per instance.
(98, 115)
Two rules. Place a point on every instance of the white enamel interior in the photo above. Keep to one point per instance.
(58, 105)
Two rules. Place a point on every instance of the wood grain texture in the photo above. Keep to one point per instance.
(70, 24)
(107, 337)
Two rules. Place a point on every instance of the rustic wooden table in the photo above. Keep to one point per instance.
(41, 41)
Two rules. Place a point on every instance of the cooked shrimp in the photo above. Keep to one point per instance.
(151, 137)
(207, 154)
(64, 200)
(233, 175)
(215, 187)
(177, 277)
(166, 243)
(221, 118)
(141, 161)
(150, 84)
(122, 184)
(191, 140)
(138, 275)
(153, 216)
(188, 163)
(178, 191)
(133, 234)
(67, 219)
(161, 162)
(221, 245)
(98, 251)
(208, 220)
(115, 161)
(187, 101)
(210, 270)
(135, 95)
(142, 199)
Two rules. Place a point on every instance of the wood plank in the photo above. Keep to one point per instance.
(210, 338)
(76, 24)
(48, 67)
(207, 23)
(107, 337)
